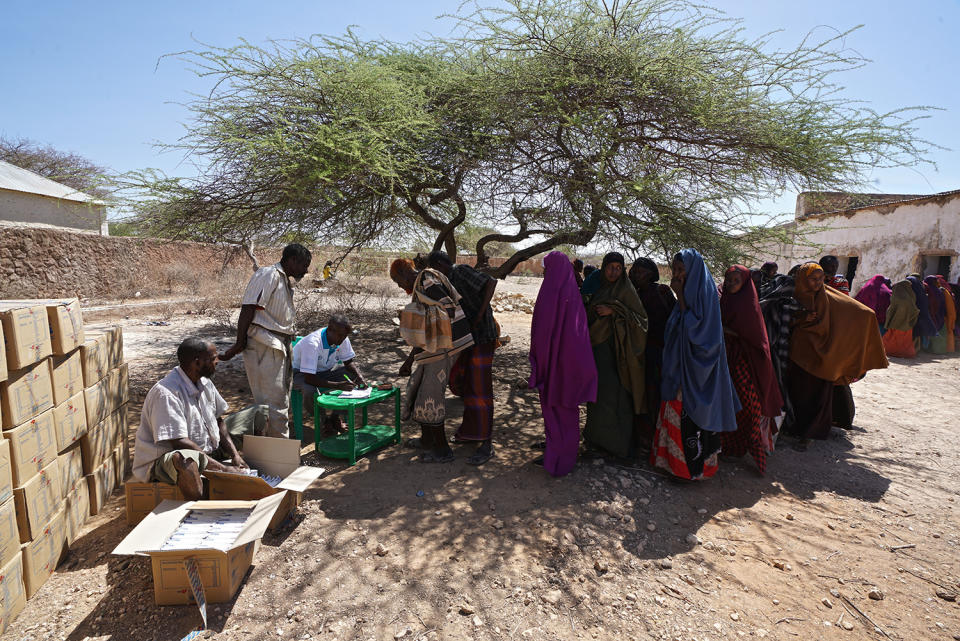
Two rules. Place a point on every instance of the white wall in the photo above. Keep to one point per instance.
(892, 240)
(21, 207)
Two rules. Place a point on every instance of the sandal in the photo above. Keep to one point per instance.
(480, 457)
(539, 445)
(538, 461)
(433, 457)
(415, 443)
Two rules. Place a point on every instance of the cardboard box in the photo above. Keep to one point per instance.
(113, 337)
(32, 446)
(98, 443)
(40, 556)
(119, 385)
(3, 357)
(141, 498)
(6, 471)
(25, 394)
(66, 376)
(66, 325)
(94, 358)
(9, 532)
(76, 512)
(120, 462)
(26, 333)
(98, 401)
(13, 595)
(221, 570)
(70, 421)
(101, 483)
(37, 501)
(70, 463)
(274, 457)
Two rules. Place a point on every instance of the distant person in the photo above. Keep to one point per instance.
(577, 271)
(472, 374)
(328, 270)
(924, 329)
(182, 429)
(561, 363)
(900, 318)
(323, 360)
(587, 270)
(876, 295)
(830, 265)
(768, 272)
(937, 300)
(265, 332)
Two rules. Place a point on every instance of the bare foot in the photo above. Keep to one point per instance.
(188, 477)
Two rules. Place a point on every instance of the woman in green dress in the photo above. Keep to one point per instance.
(618, 334)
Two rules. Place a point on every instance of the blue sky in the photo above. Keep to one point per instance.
(84, 76)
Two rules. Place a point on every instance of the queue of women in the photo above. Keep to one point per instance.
(678, 375)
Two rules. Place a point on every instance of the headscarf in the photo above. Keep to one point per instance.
(876, 294)
(627, 326)
(694, 356)
(740, 312)
(561, 359)
(779, 308)
(903, 313)
(840, 341)
(955, 288)
(596, 279)
(938, 310)
(658, 300)
(400, 267)
(924, 325)
(767, 265)
(648, 265)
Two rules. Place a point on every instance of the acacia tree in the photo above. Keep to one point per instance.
(70, 169)
(647, 124)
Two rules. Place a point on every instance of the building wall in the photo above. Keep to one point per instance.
(21, 207)
(892, 240)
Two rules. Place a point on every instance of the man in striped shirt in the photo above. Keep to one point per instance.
(265, 331)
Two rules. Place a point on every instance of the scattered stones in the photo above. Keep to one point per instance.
(552, 597)
(875, 594)
(601, 566)
(702, 510)
(402, 633)
(827, 602)
(477, 622)
(734, 616)
(651, 527)
(789, 516)
(382, 550)
(466, 609)
(776, 601)
(666, 564)
(662, 602)
(846, 625)
(947, 596)
(693, 539)
(498, 524)
(631, 596)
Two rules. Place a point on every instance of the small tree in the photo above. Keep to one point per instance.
(647, 124)
(70, 169)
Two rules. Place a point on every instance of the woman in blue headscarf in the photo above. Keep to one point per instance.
(699, 398)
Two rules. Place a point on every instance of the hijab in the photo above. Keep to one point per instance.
(596, 279)
(903, 313)
(876, 294)
(741, 313)
(626, 326)
(938, 310)
(840, 341)
(658, 300)
(694, 356)
(955, 288)
(924, 325)
(561, 360)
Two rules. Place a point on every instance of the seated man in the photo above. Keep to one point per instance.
(323, 360)
(182, 430)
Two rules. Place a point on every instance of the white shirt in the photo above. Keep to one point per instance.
(270, 290)
(176, 408)
(314, 354)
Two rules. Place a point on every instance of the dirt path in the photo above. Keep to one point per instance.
(505, 552)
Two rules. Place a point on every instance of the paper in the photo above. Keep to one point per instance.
(357, 393)
(205, 529)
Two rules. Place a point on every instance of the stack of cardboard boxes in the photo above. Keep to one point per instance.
(63, 395)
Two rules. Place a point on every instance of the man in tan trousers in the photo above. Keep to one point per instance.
(265, 332)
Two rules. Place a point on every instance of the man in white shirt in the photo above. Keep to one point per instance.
(182, 430)
(265, 331)
(323, 360)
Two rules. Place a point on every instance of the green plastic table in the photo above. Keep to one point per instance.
(359, 439)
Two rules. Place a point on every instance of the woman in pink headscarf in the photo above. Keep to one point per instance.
(561, 362)
(876, 294)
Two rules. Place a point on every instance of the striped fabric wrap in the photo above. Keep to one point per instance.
(426, 322)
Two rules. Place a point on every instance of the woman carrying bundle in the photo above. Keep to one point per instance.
(938, 313)
(950, 316)
(900, 319)
(779, 308)
(561, 362)
(618, 333)
(442, 333)
(699, 400)
(876, 294)
(835, 341)
(748, 357)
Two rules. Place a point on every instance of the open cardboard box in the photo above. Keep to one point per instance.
(219, 572)
(274, 457)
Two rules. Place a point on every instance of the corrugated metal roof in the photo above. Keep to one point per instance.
(16, 178)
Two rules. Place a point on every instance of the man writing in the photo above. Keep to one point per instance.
(324, 360)
(182, 430)
(265, 332)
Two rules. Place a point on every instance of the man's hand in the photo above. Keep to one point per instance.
(604, 310)
(239, 462)
(233, 351)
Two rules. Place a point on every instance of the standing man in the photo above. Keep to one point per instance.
(472, 376)
(265, 331)
(830, 265)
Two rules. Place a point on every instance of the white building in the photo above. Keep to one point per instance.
(890, 234)
(27, 198)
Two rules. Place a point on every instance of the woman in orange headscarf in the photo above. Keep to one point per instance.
(835, 341)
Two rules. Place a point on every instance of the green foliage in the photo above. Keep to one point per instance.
(67, 168)
(649, 125)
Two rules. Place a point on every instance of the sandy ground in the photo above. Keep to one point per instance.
(505, 552)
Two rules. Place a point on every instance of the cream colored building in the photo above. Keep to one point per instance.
(29, 199)
(889, 234)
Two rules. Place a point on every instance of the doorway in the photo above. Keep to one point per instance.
(937, 265)
(852, 269)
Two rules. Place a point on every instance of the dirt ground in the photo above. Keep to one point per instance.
(394, 549)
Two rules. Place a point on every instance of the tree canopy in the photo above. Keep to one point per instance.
(650, 125)
(67, 168)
